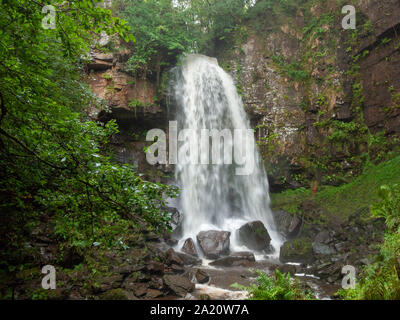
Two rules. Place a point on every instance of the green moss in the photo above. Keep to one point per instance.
(114, 294)
(338, 203)
(297, 250)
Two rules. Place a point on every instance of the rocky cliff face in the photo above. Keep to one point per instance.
(319, 96)
(379, 70)
(134, 104)
(307, 83)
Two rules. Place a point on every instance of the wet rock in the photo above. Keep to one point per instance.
(198, 276)
(323, 237)
(140, 289)
(172, 257)
(177, 269)
(189, 247)
(332, 270)
(294, 226)
(171, 241)
(176, 221)
(188, 260)
(255, 236)
(298, 250)
(286, 224)
(178, 285)
(201, 276)
(323, 249)
(214, 243)
(155, 267)
(153, 293)
(115, 294)
(235, 259)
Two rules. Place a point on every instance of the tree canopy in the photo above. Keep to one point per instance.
(51, 163)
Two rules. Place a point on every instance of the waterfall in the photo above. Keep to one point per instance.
(212, 196)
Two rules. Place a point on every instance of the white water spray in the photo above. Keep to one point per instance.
(213, 197)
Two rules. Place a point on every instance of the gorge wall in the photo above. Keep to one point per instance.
(322, 99)
(316, 93)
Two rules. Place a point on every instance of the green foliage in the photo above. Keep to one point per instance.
(163, 32)
(52, 166)
(293, 69)
(107, 76)
(381, 280)
(340, 202)
(389, 206)
(279, 287)
(219, 21)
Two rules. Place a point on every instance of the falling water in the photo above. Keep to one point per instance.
(213, 197)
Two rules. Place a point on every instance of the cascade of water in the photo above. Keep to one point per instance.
(213, 197)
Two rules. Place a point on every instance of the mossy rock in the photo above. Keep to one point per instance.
(115, 294)
(297, 250)
(255, 236)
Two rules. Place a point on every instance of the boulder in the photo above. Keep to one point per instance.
(172, 257)
(255, 236)
(189, 247)
(176, 221)
(201, 276)
(198, 276)
(235, 259)
(214, 243)
(178, 285)
(323, 249)
(155, 267)
(297, 250)
(287, 224)
(323, 237)
(188, 260)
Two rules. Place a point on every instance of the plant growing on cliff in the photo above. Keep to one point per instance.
(381, 280)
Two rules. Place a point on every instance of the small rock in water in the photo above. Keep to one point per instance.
(198, 276)
(189, 247)
(255, 236)
(214, 243)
